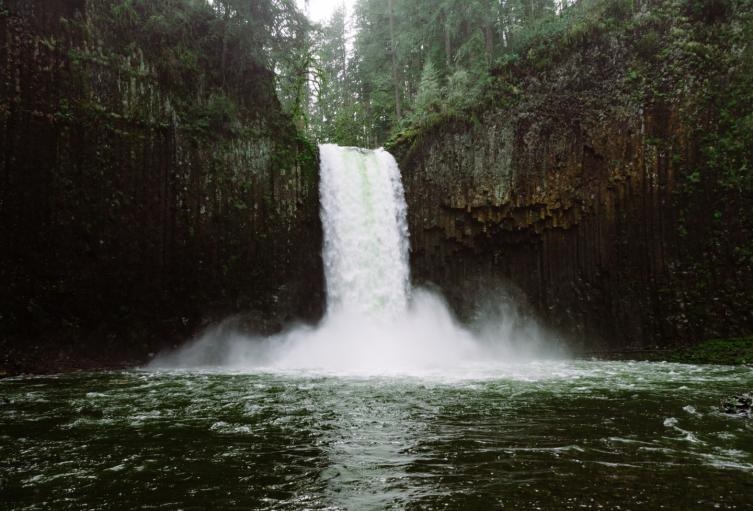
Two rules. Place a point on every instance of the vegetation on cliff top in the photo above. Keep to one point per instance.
(412, 61)
(413, 64)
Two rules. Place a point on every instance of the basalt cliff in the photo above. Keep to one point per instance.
(145, 191)
(607, 178)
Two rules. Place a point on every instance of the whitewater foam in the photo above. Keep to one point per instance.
(375, 323)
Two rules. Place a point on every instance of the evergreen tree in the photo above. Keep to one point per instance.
(403, 51)
(428, 98)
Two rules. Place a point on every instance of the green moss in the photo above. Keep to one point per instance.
(717, 351)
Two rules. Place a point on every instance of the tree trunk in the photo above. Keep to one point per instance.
(489, 38)
(223, 62)
(344, 49)
(398, 111)
(447, 46)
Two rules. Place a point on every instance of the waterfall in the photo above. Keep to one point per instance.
(365, 248)
(375, 323)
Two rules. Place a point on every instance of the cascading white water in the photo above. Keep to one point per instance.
(365, 231)
(374, 323)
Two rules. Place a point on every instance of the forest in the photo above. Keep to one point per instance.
(413, 62)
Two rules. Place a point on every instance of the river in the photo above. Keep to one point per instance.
(535, 435)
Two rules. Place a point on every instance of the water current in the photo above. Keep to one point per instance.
(537, 435)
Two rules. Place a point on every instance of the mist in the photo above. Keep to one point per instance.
(425, 338)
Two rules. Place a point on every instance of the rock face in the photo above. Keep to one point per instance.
(135, 208)
(581, 221)
(741, 405)
(590, 195)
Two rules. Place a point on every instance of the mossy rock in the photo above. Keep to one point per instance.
(741, 405)
(737, 351)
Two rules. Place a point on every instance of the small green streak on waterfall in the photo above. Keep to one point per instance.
(363, 163)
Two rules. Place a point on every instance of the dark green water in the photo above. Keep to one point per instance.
(564, 435)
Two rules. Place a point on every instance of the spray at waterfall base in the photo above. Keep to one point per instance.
(375, 323)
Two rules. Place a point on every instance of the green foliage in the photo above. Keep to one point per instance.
(231, 46)
(335, 114)
(458, 85)
(718, 351)
(707, 67)
(708, 11)
(218, 115)
(648, 45)
(463, 41)
(428, 97)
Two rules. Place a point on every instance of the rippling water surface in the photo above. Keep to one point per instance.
(564, 435)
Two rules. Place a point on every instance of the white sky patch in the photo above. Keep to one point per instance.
(321, 10)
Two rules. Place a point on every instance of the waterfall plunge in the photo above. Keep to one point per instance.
(375, 323)
(365, 232)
